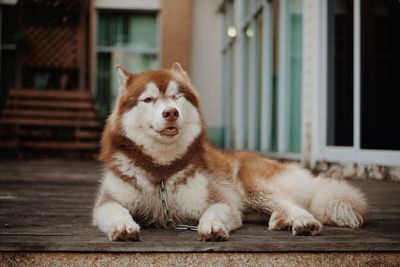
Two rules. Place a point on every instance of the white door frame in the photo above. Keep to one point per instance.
(321, 151)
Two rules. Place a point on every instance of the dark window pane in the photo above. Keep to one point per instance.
(274, 90)
(380, 66)
(51, 13)
(9, 25)
(50, 78)
(340, 73)
(103, 92)
(7, 80)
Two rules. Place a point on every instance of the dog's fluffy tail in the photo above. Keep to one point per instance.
(338, 203)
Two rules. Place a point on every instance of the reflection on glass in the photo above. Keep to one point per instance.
(127, 30)
(118, 30)
(340, 73)
(294, 46)
(380, 66)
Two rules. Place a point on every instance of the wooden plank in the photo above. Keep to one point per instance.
(86, 134)
(59, 218)
(52, 94)
(50, 145)
(45, 133)
(64, 114)
(49, 122)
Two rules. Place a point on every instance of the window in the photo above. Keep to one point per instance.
(379, 80)
(126, 38)
(252, 71)
(269, 59)
(294, 74)
(8, 47)
(288, 83)
(360, 85)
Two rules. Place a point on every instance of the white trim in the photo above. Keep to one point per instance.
(362, 156)
(320, 83)
(222, 80)
(381, 157)
(323, 107)
(129, 4)
(282, 76)
(239, 86)
(332, 153)
(266, 101)
(227, 72)
(357, 74)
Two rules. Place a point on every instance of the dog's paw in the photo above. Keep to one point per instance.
(212, 231)
(125, 230)
(306, 225)
(278, 221)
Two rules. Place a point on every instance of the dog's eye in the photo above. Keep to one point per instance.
(176, 97)
(148, 99)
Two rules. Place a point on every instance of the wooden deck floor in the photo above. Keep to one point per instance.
(46, 206)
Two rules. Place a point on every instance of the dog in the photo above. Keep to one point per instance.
(159, 170)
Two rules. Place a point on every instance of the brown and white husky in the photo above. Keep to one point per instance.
(157, 134)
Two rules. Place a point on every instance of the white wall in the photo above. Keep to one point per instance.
(205, 61)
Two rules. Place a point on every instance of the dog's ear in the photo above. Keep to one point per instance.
(123, 75)
(178, 70)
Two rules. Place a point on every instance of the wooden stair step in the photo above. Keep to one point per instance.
(62, 114)
(49, 145)
(87, 134)
(11, 103)
(35, 93)
(49, 122)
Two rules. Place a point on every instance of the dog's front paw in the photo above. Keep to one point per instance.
(125, 230)
(306, 225)
(279, 221)
(212, 231)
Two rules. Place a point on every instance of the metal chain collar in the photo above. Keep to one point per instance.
(170, 222)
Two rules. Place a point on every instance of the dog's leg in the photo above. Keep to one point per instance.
(217, 221)
(115, 220)
(287, 213)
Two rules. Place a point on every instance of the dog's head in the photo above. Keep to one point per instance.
(158, 108)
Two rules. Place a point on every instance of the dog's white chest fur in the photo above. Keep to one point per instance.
(187, 197)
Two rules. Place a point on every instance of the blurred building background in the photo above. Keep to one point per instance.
(308, 80)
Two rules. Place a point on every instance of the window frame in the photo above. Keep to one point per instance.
(352, 154)
(227, 84)
(126, 7)
(262, 8)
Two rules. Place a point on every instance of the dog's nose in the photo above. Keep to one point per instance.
(170, 114)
